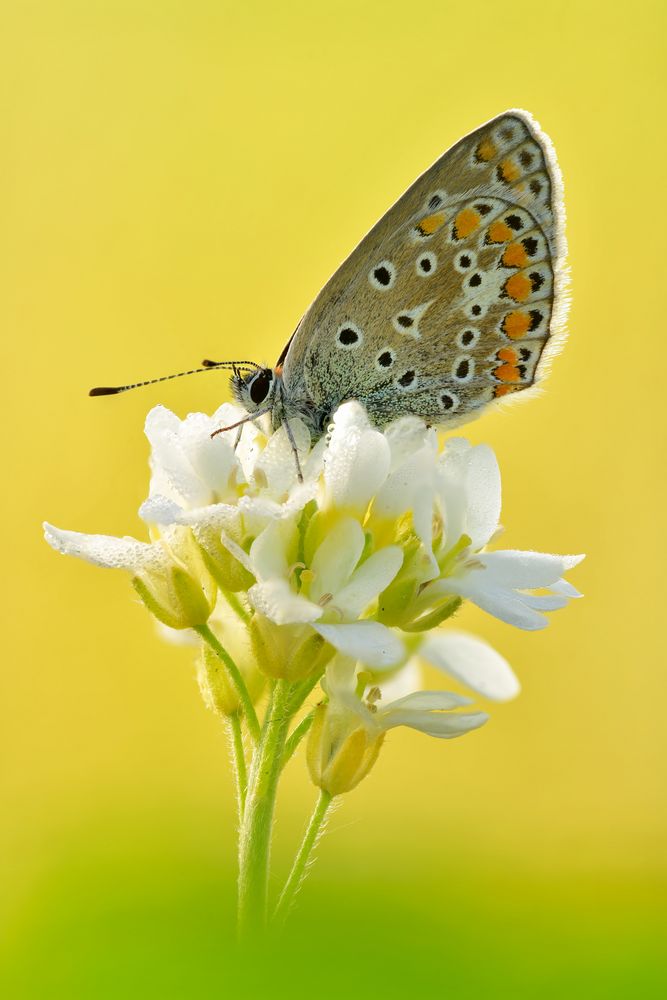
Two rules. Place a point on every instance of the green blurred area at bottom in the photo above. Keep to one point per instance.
(156, 930)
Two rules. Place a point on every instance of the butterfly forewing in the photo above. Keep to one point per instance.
(449, 301)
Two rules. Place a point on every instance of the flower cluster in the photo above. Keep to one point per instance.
(344, 578)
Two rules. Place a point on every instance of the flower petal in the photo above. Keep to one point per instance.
(428, 701)
(187, 465)
(443, 725)
(565, 588)
(470, 492)
(543, 602)
(235, 550)
(369, 642)
(158, 509)
(526, 570)
(471, 661)
(500, 602)
(276, 600)
(275, 468)
(357, 460)
(273, 551)
(336, 557)
(105, 550)
(484, 495)
(368, 581)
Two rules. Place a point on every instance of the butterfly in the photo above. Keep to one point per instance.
(454, 300)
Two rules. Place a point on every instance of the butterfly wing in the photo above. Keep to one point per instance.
(450, 300)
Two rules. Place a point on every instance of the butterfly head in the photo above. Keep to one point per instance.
(255, 389)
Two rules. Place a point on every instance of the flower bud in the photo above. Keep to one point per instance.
(292, 652)
(217, 690)
(179, 591)
(341, 749)
(226, 570)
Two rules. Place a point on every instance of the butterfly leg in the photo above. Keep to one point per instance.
(240, 423)
(290, 436)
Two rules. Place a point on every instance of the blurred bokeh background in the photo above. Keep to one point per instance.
(178, 181)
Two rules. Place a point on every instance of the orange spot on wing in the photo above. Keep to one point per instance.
(466, 222)
(515, 256)
(431, 224)
(509, 171)
(508, 354)
(486, 150)
(278, 370)
(507, 373)
(516, 325)
(499, 232)
(502, 390)
(518, 287)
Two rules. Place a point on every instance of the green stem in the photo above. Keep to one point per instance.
(255, 836)
(302, 690)
(298, 873)
(297, 736)
(236, 606)
(235, 675)
(238, 757)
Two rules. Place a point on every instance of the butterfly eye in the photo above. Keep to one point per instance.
(259, 387)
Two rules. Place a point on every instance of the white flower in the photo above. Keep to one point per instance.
(501, 583)
(379, 544)
(334, 590)
(168, 574)
(469, 660)
(418, 709)
(357, 460)
(348, 730)
(201, 480)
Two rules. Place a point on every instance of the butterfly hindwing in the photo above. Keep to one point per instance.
(449, 301)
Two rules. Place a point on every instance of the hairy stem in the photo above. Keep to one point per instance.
(296, 737)
(255, 836)
(302, 690)
(238, 757)
(299, 868)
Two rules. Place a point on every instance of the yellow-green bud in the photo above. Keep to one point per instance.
(181, 593)
(227, 571)
(341, 750)
(218, 691)
(292, 652)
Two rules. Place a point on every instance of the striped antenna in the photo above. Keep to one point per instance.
(207, 366)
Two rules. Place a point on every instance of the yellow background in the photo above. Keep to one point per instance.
(178, 181)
